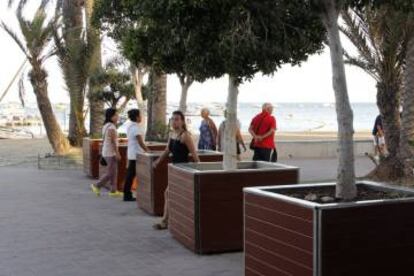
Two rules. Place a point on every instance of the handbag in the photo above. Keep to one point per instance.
(251, 146)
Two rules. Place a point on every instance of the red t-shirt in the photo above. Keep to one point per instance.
(261, 124)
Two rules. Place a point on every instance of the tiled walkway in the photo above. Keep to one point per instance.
(51, 225)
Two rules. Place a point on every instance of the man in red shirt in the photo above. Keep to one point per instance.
(263, 128)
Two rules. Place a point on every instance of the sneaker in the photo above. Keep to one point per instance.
(95, 189)
(115, 194)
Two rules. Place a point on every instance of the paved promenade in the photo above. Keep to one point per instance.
(51, 225)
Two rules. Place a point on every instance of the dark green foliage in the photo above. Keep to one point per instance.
(112, 85)
(210, 38)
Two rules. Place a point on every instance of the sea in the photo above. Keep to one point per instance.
(291, 117)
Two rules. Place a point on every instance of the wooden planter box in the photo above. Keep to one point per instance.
(206, 203)
(153, 182)
(91, 148)
(289, 236)
(123, 163)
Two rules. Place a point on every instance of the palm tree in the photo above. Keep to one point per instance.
(75, 51)
(380, 36)
(97, 106)
(35, 45)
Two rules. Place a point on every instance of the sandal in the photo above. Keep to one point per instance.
(160, 226)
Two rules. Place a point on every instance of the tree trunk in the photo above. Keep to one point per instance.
(230, 129)
(407, 129)
(72, 31)
(185, 82)
(138, 76)
(388, 99)
(77, 128)
(54, 133)
(345, 188)
(157, 128)
(96, 106)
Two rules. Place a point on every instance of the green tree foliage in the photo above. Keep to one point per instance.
(210, 38)
(113, 86)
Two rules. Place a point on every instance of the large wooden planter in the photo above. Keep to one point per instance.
(289, 236)
(123, 163)
(153, 182)
(91, 148)
(206, 203)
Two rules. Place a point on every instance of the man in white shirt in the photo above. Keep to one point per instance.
(136, 145)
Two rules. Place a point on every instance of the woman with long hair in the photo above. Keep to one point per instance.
(180, 146)
(110, 153)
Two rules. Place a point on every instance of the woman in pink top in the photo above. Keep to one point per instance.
(110, 152)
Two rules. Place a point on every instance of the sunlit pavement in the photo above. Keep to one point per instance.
(51, 224)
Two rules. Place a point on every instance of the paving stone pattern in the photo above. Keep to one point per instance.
(52, 225)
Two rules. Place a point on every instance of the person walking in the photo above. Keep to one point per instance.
(136, 145)
(180, 146)
(263, 128)
(110, 154)
(208, 132)
(239, 137)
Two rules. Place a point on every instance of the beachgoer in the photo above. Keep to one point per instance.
(110, 153)
(239, 138)
(136, 145)
(180, 146)
(379, 139)
(263, 128)
(208, 132)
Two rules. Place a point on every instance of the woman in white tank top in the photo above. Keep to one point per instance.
(110, 152)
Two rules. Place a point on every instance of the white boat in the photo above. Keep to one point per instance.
(11, 133)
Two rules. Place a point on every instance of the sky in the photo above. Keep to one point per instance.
(311, 82)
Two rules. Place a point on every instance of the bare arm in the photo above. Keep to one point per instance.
(239, 138)
(267, 134)
(188, 141)
(213, 128)
(141, 142)
(163, 157)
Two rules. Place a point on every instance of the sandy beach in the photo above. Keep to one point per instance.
(26, 152)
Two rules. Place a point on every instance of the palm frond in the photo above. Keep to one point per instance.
(15, 37)
(357, 32)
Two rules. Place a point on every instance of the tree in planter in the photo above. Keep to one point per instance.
(380, 36)
(113, 87)
(137, 40)
(244, 38)
(35, 45)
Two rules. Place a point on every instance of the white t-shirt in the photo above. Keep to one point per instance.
(133, 130)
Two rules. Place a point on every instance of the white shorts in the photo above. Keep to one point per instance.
(379, 141)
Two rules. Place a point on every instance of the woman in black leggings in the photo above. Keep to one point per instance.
(180, 146)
